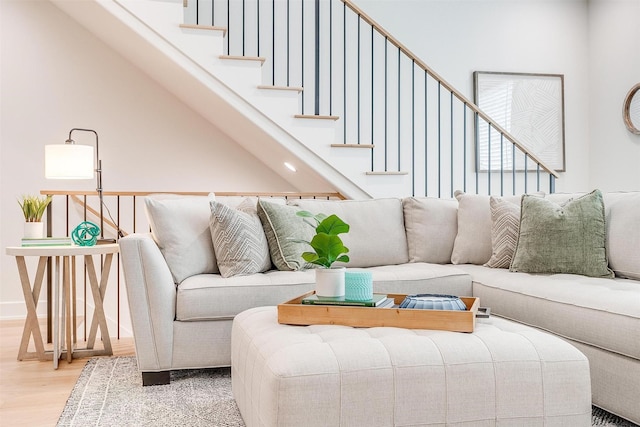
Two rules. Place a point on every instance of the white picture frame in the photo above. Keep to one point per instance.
(528, 106)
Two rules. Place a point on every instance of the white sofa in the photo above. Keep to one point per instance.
(182, 307)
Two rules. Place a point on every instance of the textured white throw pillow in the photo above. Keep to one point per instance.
(239, 241)
(180, 227)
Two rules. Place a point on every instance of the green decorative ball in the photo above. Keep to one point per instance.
(85, 234)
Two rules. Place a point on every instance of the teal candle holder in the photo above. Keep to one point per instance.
(358, 285)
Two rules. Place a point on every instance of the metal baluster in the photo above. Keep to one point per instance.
(358, 79)
(451, 160)
(439, 140)
(317, 83)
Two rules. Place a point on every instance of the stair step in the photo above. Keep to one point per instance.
(315, 116)
(204, 27)
(387, 173)
(243, 58)
(292, 88)
(352, 145)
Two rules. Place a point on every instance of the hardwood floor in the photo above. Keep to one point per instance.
(32, 393)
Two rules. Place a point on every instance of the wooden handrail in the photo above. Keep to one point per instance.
(445, 84)
(285, 194)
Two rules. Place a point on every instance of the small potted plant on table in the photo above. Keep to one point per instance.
(33, 208)
(327, 248)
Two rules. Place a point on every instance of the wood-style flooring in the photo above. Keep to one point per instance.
(32, 393)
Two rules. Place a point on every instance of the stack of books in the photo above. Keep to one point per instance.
(48, 241)
(378, 300)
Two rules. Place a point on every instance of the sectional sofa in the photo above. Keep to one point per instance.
(568, 264)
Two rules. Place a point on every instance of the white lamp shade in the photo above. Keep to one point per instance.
(68, 161)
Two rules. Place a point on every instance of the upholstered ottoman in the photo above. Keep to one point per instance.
(503, 374)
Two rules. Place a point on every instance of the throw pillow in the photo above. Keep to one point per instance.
(505, 225)
(283, 228)
(238, 239)
(473, 240)
(623, 238)
(431, 225)
(370, 222)
(567, 238)
(180, 227)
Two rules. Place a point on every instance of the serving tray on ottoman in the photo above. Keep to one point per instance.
(295, 313)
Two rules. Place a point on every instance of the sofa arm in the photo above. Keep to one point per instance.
(152, 301)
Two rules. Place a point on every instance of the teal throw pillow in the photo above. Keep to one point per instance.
(283, 227)
(567, 238)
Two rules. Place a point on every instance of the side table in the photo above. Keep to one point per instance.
(32, 293)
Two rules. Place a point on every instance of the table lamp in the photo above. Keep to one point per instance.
(74, 161)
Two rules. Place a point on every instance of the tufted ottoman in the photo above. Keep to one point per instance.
(502, 374)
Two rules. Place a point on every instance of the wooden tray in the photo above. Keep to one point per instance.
(295, 313)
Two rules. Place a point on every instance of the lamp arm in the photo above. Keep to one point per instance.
(98, 173)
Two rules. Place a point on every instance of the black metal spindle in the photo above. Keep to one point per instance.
(439, 140)
(526, 173)
(289, 43)
(358, 79)
(344, 72)
(399, 108)
(258, 27)
(273, 42)
(426, 128)
(386, 102)
(330, 57)
(451, 159)
(243, 26)
(464, 147)
(317, 61)
(413, 128)
(302, 51)
(372, 86)
(501, 164)
(489, 159)
(228, 28)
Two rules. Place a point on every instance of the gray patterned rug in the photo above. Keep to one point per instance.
(109, 392)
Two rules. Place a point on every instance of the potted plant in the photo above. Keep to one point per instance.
(33, 208)
(327, 248)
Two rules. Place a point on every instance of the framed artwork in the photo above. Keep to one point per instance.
(528, 106)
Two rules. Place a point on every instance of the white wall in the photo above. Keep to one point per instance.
(458, 37)
(55, 76)
(614, 67)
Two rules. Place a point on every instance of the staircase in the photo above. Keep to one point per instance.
(321, 85)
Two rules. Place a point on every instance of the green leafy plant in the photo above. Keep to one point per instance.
(327, 245)
(33, 207)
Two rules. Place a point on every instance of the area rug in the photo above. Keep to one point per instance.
(109, 392)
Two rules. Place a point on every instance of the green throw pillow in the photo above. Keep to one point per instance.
(282, 226)
(567, 238)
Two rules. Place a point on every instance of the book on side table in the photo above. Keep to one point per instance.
(378, 300)
(47, 241)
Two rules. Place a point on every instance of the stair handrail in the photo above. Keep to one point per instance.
(413, 57)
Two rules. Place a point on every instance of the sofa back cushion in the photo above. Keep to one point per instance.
(622, 212)
(180, 227)
(431, 226)
(376, 235)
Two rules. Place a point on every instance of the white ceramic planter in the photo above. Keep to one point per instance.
(33, 230)
(330, 282)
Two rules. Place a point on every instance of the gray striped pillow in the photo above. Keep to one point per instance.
(238, 239)
(505, 224)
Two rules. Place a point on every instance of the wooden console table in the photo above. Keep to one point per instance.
(31, 293)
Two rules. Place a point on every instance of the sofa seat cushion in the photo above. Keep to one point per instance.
(211, 296)
(420, 278)
(603, 313)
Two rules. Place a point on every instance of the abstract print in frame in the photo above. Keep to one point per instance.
(528, 106)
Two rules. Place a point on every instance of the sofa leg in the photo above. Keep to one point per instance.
(156, 378)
